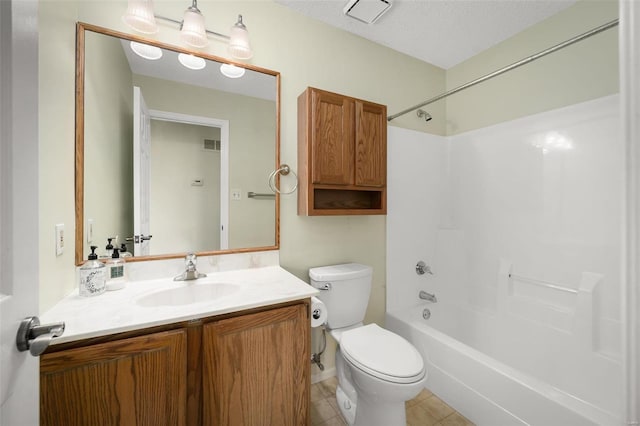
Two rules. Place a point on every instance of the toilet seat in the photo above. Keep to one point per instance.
(382, 354)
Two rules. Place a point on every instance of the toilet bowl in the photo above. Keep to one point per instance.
(377, 370)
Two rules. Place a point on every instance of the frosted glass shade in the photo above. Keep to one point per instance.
(193, 32)
(239, 46)
(139, 16)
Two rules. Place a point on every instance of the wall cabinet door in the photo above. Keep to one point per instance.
(136, 381)
(332, 138)
(370, 144)
(256, 369)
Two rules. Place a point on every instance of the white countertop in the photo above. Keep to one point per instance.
(118, 311)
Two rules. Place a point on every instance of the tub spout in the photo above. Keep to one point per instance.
(428, 296)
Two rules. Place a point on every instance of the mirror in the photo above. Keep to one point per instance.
(171, 159)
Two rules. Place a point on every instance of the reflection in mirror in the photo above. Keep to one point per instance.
(166, 154)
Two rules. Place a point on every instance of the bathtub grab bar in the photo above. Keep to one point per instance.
(543, 283)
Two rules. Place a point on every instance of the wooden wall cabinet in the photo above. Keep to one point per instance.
(236, 369)
(342, 155)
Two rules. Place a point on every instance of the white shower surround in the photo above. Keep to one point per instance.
(540, 197)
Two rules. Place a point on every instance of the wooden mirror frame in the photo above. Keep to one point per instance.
(81, 28)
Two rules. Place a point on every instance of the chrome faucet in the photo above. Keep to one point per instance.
(190, 271)
(428, 296)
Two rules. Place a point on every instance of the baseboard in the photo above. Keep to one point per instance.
(323, 375)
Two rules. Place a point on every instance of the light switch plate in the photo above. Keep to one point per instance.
(59, 239)
(89, 230)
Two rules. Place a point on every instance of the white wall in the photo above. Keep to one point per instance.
(417, 187)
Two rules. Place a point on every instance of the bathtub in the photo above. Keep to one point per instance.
(492, 392)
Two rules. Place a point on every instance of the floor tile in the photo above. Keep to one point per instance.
(335, 421)
(436, 407)
(321, 411)
(455, 419)
(418, 416)
(426, 409)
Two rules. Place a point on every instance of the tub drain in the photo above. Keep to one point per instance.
(426, 314)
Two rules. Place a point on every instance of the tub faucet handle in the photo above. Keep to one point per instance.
(422, 268)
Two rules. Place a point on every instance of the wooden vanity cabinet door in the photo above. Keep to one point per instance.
(256, 369)
(136, 381)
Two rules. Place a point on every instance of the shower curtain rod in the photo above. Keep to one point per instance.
(515, 65)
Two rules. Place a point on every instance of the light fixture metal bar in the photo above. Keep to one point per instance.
(179, 23)
(515, 65)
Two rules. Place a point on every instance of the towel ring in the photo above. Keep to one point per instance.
(284, 170)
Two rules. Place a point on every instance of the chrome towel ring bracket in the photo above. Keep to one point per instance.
(284, 170)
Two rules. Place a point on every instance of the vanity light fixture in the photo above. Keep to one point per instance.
(146, 51)
(192, 32)
(191, 62)
(231, 71)
(140, 17)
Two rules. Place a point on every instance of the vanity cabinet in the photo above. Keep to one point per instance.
(342, 155)
(245, 368)
(253, 369)
(135, 381)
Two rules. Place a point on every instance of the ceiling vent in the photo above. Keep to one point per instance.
(367, 11)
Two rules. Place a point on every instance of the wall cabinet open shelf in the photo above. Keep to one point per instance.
(342, 155)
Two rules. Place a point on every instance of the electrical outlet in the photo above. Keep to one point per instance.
(59, 239)
(236, 194)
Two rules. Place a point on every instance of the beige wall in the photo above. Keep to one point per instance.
(108, 112)
(586, 70)
(184, 217)
(307, 53)
(252, 130)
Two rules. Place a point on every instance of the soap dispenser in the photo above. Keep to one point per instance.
(123, 251)
(109, 248)
(92, 276)
(115, 271)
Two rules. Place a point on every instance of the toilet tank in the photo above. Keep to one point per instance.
(344, 289)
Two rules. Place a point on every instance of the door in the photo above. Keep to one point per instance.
(18, 207)
(141, 174)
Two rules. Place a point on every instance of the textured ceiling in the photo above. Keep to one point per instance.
(441, 32)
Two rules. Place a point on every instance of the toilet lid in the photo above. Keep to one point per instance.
(382, 354)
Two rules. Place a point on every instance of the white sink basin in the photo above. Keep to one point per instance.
(187, 295)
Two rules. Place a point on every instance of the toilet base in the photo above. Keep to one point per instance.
(380, 414)
(375, 413)
(347, 406)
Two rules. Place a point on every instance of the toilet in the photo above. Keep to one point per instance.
(377, 370)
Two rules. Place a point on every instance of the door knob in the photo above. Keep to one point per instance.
(137, 239)
(35, 337)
